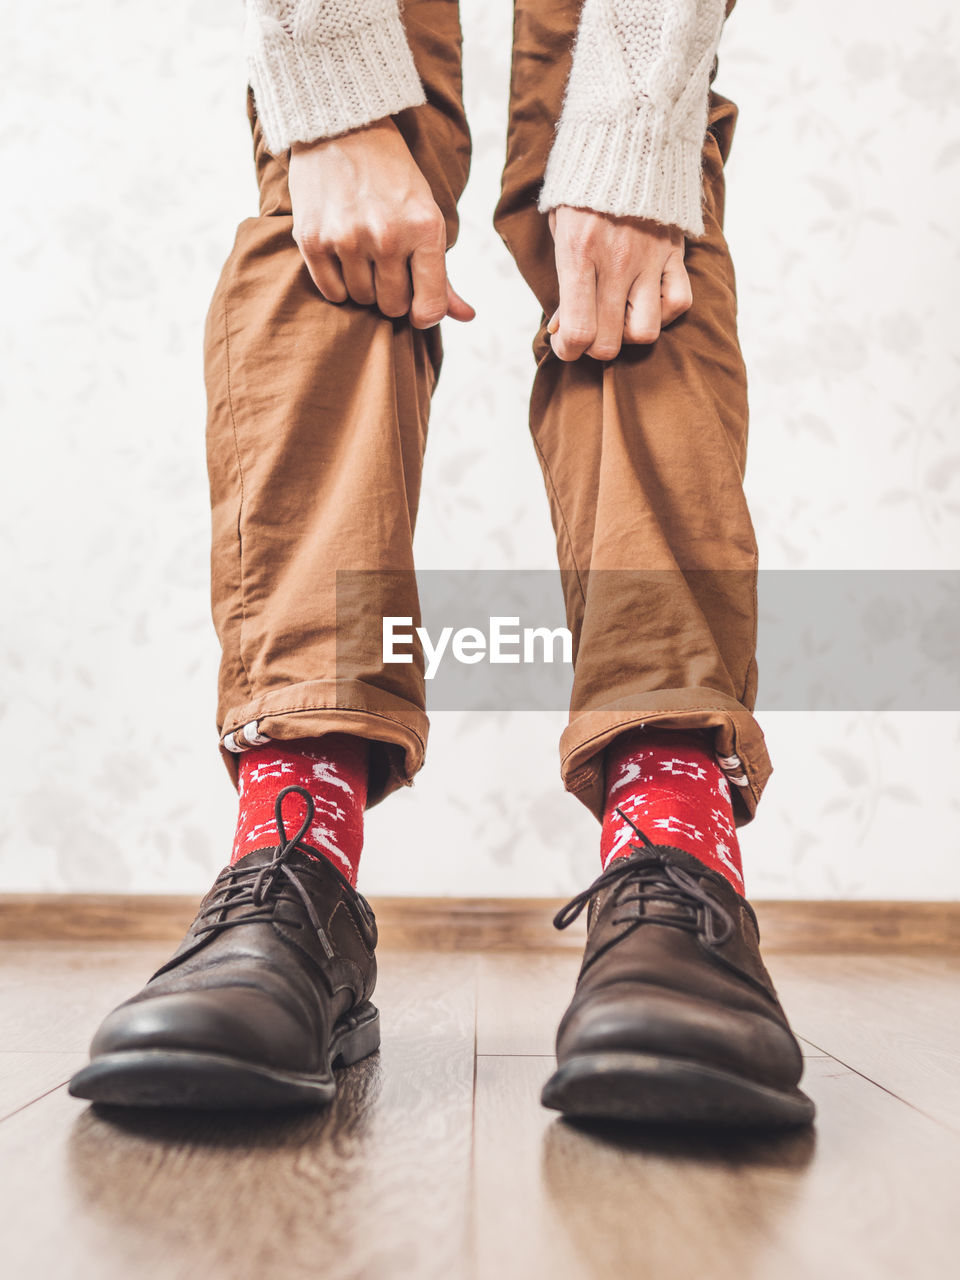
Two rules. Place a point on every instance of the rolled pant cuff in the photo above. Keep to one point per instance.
(396, 729)
(738, 742)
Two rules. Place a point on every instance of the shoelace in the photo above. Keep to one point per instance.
(261, 888)
(653, 879)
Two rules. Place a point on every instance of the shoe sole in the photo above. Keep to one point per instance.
(648, 1089)
(207, 1081)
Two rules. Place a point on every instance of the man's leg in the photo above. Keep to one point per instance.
(315, 441)
(317, 422)
(643, 459)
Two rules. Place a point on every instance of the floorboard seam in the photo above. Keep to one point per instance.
(472, 1185)
(876, 1083)
(39, 1098)
(546, 1056)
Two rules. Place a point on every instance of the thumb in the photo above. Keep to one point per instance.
(457, 307)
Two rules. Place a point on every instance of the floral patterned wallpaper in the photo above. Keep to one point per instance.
(126, 157)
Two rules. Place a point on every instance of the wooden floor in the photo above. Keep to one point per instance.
(437, 1159)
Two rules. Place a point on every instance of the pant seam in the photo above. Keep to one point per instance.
(639, 719)
(340, 706)
(563, 519)
(756, 629)
(236, 447)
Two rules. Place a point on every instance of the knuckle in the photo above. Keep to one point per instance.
(605, 350)
(432, 310)
(344, 240)
(580, 244)
(394, 309)
(308, 238)
(579, 335)
(345, 246)
(426, 319)
(383, 239)
(680, 296)
(427, 224)
(361, 291)
(432, 296)
(644, 333)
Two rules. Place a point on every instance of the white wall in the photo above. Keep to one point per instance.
(126, 161)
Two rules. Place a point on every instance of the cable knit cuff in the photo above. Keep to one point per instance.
(629, 167)
(308, 91)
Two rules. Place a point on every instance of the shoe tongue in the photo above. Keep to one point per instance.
(667, 909)
(667, 906)
(705, 876)
(657, 908)
(256, 858)
(297, 859)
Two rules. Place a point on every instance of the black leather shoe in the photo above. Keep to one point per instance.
(267, 994)
(674, 1018)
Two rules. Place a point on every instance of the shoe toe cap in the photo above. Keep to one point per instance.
(236, 1022)
(636, 1018)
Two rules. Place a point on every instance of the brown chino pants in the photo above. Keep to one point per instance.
(317, 423)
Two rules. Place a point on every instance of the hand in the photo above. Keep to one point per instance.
(368, 227)
(621, 280)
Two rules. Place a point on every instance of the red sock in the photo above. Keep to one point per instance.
(668, 782)
(333, 769)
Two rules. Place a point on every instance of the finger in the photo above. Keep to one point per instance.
(358, 277)
(458, 308)
(611, 317)
(429, 274)
(578, 309)
(392, 281)
(325, 272)
(642, 320)
(676, 293)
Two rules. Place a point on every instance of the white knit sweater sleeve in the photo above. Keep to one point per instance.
(321, 67)
(634, 116)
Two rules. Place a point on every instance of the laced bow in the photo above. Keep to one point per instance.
(261, 888)
(653, 879)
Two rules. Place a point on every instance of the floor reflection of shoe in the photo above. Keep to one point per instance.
(674, 1018)
(266, 995)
